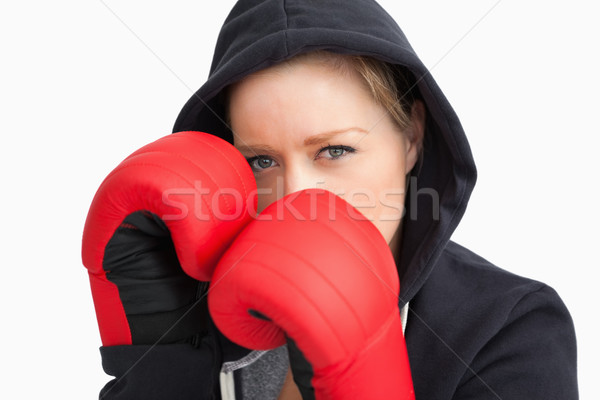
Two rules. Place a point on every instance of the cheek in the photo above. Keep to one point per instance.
(378, 192)
(388, 221)
(390, 204)
(382, 203)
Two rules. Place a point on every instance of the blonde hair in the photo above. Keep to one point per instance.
(391, 88)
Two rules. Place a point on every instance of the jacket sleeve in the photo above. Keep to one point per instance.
(533, 356)
(165, 371)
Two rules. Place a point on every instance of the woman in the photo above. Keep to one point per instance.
(330, 94)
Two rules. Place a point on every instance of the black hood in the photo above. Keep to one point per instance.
(258, 34)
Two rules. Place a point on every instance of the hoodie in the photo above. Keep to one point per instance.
(473, 330)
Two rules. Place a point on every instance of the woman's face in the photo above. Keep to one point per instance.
(309, 125)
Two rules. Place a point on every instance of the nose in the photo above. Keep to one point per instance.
(296, 179)
(291, 179)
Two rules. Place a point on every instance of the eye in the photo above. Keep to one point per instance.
(260, 163)
(334, 152)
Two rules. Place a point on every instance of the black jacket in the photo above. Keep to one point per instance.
(474, 331)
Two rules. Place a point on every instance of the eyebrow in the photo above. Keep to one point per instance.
(256, 149)
(309, 141)
(326, 136)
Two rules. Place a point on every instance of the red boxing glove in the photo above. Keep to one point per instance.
(156, 226)
(313, 269)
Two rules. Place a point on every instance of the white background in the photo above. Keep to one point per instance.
(84, 83)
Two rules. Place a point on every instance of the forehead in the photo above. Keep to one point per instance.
(302, 69)
(300, 98)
